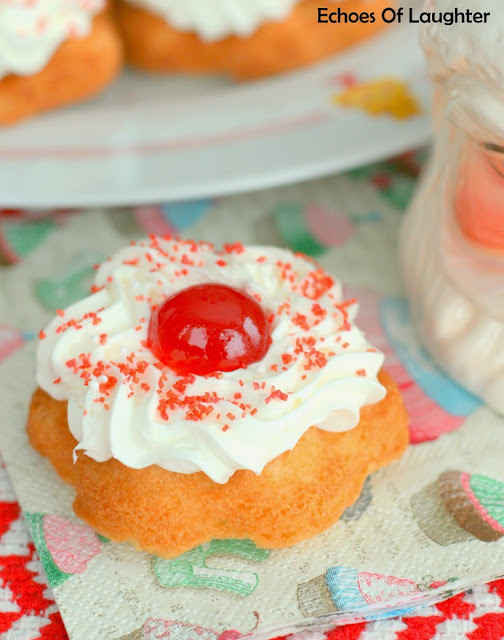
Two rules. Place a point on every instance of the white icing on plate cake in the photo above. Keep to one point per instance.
(30, 33)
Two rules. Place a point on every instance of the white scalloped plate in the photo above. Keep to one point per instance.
(152, 138)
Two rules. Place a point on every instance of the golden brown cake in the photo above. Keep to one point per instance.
(81, 66)
(298, 495)
(212, 395)
(265, 45)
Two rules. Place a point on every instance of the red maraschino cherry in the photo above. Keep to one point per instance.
(209, 328)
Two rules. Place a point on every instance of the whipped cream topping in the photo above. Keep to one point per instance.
(124, 403)
(218, 19)
(30, 32)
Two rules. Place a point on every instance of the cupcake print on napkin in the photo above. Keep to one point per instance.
(346, 589)
(460, 507)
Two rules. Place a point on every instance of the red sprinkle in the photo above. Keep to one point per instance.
(237, 247)
(318, 311)
(316, 284)
(285, 306)
(278, 395)
(300, 321)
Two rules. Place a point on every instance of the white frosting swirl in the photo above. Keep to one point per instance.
(31, 32)
(123, 403)
(218, 19)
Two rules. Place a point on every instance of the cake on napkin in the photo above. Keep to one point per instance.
(200, 394)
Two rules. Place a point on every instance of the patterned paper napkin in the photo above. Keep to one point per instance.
(429, 525)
